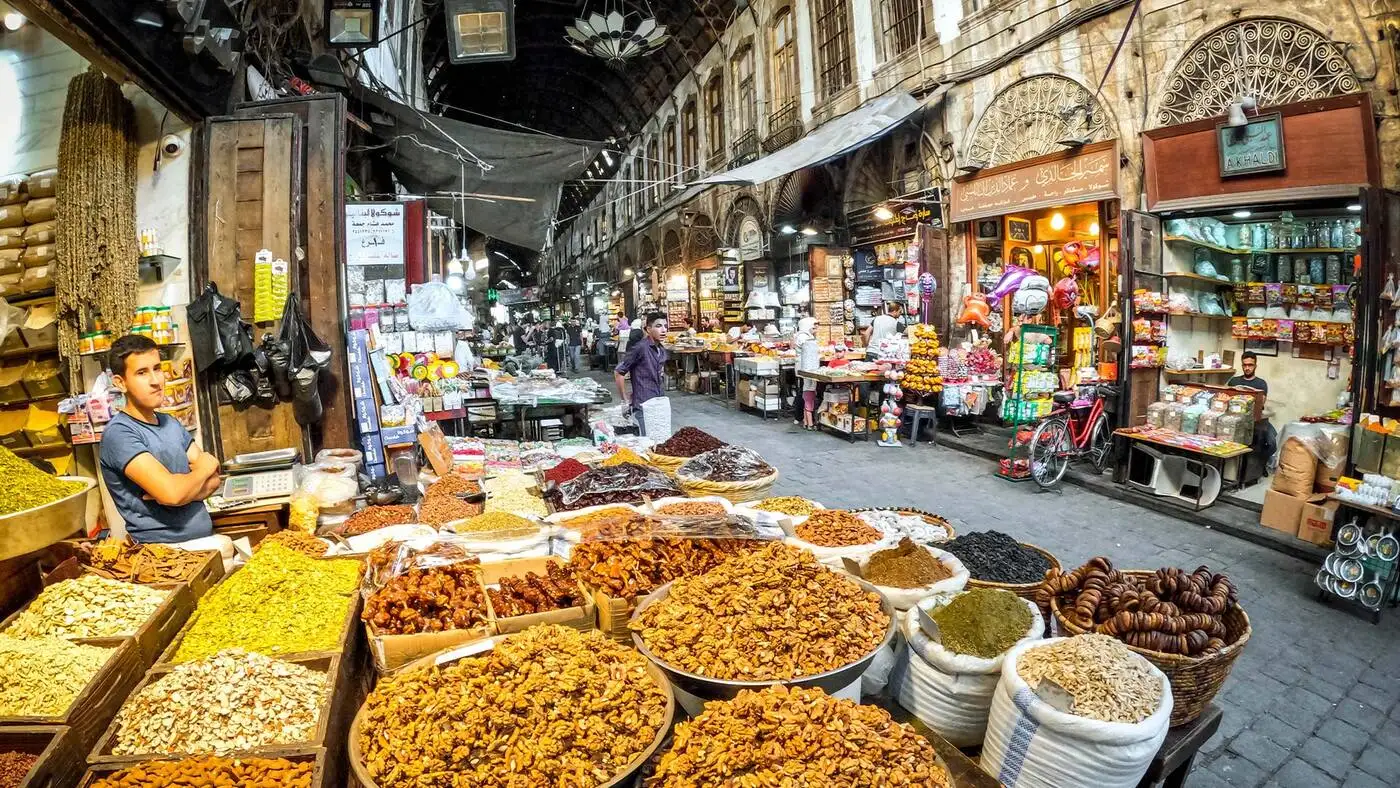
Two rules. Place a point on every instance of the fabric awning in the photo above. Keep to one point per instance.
(516, 199)
(834, 139)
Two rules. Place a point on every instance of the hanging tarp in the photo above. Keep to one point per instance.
(516, 194)
(834, 139)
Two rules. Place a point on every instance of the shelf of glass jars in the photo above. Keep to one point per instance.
(1181, 239)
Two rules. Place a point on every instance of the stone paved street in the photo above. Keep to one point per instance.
(1311, 703)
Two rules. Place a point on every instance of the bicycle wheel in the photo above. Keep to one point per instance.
(1100, 444)
(1049, 456)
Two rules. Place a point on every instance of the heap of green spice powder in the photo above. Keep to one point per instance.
(983, 622)
(22, 486)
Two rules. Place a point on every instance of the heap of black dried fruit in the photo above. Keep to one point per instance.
(997, 558)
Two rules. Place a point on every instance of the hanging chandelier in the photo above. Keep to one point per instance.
(611, 36)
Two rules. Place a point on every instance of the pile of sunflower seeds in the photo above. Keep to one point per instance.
(88, 607)
(232, 701)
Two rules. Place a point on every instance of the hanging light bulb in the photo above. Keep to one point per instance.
(1094, 229)
(1057, 221)
(607, 35)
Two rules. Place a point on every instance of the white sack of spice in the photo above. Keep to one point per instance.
(897, 525)
(234, 700)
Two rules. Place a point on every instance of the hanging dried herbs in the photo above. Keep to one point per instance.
(96, 209)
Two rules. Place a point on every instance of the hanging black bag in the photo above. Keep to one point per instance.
(217, 331)
(309, 355)
(279, 365)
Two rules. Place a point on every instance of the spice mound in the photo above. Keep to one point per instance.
(141, 563)
(908, 565)
(306, 544)
(550, 706)
(213, 771)
(88, 607)
(231, 701)
(14, 767)
(502, 524)
(983, 622)
(622, 456)
(693, 509)
(837, 528)
(23, 486)
(773, 614)
(280, 602)
(372, 518)
(994, 557)
(1108, 682)
(518, 596)
(42, 676)
(628, 567)
(567, 470)
(786, 504)
(688, 442)
(796, 736)
(428, 600)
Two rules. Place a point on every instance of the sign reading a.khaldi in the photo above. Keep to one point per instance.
(1058, 179)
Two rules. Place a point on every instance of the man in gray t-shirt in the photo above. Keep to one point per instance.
(156, 474)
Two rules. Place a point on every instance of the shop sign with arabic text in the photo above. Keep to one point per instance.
(1087, 175)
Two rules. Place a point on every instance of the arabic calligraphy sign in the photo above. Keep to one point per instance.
(908, 213)
(1044, 182)
(374, 233)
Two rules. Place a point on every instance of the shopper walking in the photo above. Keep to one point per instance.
(644, 364)
(808, 359)
(575, 343)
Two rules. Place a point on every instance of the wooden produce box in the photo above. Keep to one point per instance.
(93, 709)
(347, 631)
(315, 755)
(59, 764)
(153, 636)
(328, 664)
(203, 578)
(582, 617)
(391, 652)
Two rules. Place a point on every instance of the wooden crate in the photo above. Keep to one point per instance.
(99, 701)
(300, 754)
(58, 765)
(328, 664)
(204, 578)
(352, 614)
(581, 617)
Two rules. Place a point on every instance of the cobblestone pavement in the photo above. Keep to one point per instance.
(1312, 701)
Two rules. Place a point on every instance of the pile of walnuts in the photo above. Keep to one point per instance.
(773, 614)
(635, 566)
(428, 600)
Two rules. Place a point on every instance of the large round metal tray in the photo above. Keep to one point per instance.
(710, 688)
(38, 527)
(624, 776)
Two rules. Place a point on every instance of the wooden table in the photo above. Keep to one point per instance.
(850, 380)
(254, 520)
(1177, 755)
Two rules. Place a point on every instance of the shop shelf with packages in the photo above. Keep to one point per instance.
(1033, 378)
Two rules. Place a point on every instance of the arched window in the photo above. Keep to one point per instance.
(783, 60)
(668, 140)
(833, 37)
(653, 172)
(714, 115)
(690, 140)
(745, 97)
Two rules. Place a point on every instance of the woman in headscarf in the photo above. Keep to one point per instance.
(808, 358)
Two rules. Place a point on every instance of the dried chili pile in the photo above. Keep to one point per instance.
(625, 483)
(566, 471)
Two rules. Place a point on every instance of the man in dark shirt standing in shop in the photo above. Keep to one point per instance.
(1265, 436)
(644, 362)
(1249, 362)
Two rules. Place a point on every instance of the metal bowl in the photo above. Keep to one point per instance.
(40, 526)
(1349, 534)
(1350, 570)
(1343, 588)
(709, 688)
(1321, 579)
(1388, 548)
(1371, 595)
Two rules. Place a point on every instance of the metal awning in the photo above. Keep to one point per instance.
(836, 138)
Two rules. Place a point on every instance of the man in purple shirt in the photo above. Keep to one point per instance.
(644, 362)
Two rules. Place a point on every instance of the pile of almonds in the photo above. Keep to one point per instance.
(212, 771)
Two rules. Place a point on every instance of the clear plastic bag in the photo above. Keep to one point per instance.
(434, 307)
(396, 558)
(1155, 414)
(626, 483)
(726, 464)
(1171, 417)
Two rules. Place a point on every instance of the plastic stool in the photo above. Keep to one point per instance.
(918, 414)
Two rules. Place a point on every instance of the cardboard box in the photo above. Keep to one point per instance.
(366, 416)
(372, 448)
(1315, 520)
(399, 436)
(1281, 512)
(583, 616)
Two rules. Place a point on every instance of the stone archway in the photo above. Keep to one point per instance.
(1031, 117)
(1276, 61)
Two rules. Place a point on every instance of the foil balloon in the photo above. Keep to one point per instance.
(1065, 294)
(1090, 260)
(1073, 253)
(1010, 282)
(975, 310)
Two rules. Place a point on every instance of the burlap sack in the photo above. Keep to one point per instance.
(40, 210)
(43, 183)
(11, 238)
(35, 256)
(1297, 468)
(12, 215)
(41, 233)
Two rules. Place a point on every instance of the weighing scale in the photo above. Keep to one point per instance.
(256, 486)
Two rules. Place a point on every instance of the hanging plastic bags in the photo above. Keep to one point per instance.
(308, 356)
(433, 306)
(217, 331)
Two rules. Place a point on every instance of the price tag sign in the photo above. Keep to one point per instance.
(1058, 697)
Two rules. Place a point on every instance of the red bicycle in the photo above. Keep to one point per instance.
(1074, 430)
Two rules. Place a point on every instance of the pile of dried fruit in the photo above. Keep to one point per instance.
(786, 504)
(14, 768)
(212, 771)
(229, 702)
(372, 518)
(610, 520)
(23, 486)
(692, 509)
(908, 565)
(625, 483)
(727, 464)
(504, 524)
(630, 567)
(550, 706)
(280, 602)
(393, 558)
(792, 736)
(837, 528)
(1108, 682)
(688, 442)
(773, 614)
(88, 607)
(520, 596)
(994, 557)
(306, 544)
(443, 509)
(428, 600)
(452, 484)
(140, 563)
(42, 676)
(1168, 611)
